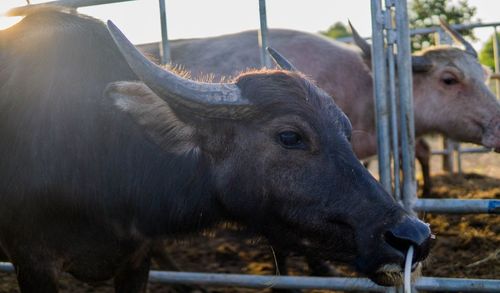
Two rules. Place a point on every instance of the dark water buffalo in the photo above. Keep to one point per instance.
(450, 95)
(90, 180)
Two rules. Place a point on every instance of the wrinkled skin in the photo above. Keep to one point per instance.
(91, 180)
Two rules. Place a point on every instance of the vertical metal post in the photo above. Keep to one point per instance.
(448, 162)
(407, 124)
(263, 33)
(497, 62)
(165, 49)
(380, 94)
(393, 105)
(448, 144)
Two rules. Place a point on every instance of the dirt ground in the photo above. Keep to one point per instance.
(466, 245)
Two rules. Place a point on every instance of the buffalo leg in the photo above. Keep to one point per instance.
(133, 279)
(36, 278)
(282, 268)
(161, 257)
(423, 154)
(319, 267)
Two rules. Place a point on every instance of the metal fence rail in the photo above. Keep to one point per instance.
(287, 282)
(458, 206)
(384, 36)
(434, 29)
(398, 36)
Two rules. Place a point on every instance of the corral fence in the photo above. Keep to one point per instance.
(453, 150)
(390, 34)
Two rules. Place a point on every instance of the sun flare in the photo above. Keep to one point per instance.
(5, 5)
(6, 22)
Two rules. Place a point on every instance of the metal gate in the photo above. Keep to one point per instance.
(390, 50)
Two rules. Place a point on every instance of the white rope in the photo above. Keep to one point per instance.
(407, 273)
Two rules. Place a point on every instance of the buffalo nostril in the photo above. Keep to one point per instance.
(410, 231)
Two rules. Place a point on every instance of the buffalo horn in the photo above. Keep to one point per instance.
(457, 37)
(282, 62)
(419, 63)
(360, 42)
(207, 100)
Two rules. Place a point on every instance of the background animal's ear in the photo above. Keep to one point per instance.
(282, 62)
(153, 115)
(362, 44)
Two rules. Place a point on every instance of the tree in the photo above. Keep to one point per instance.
(486, 55)
(337, 30)
(426, 13)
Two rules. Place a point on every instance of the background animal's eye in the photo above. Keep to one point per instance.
(291, 140)
(449, 79)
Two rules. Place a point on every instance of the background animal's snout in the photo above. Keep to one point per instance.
(491, 137)
(410, 231)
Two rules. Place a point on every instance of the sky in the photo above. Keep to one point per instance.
(201, 18)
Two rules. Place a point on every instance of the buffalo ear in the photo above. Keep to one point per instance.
(421, 63)
(153, 115)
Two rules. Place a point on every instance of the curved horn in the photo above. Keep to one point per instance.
(457, 37)
(360, 42)
(282, 62)
(421, 64)
(209, 100)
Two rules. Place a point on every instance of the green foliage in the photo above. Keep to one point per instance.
(337, 30)
(486, 54)
(426, 13)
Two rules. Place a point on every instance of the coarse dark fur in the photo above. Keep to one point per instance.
(89, 180)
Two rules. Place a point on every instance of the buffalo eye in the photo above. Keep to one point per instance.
(291, 140)
(449, 79)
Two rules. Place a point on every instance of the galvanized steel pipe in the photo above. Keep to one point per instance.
(497, 61)
(345, 284)
(165, 48)
(456, 284)
(259, 281)
(380, 94)
(6, 267)
(458, 206)
(393, 101)
(407, 124)
(263, 35)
